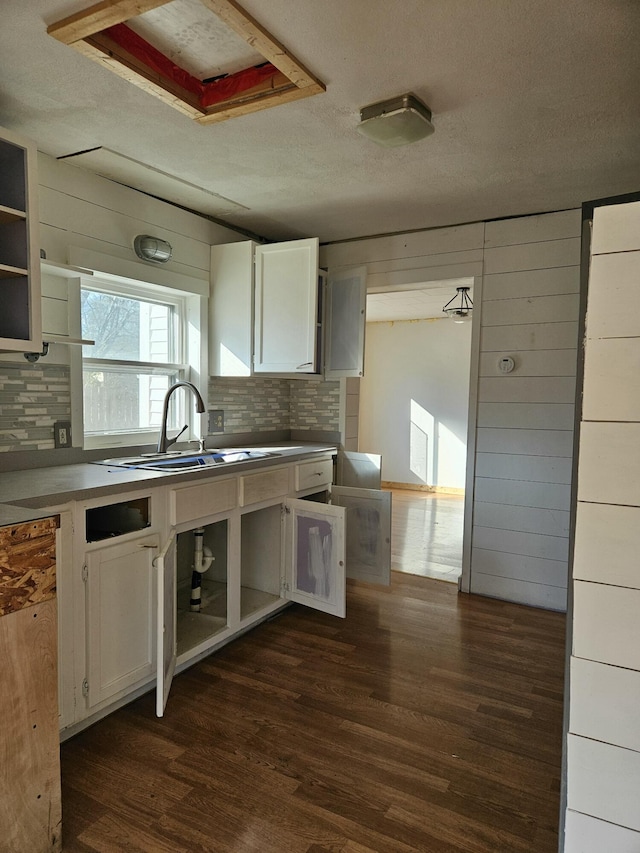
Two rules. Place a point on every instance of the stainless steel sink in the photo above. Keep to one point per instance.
(186, 460)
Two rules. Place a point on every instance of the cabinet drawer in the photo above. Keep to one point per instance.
(263, 485)
(315, 474)
(203, 499)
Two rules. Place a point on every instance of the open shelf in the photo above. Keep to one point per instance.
(261, 559)
(19, 281)
(196, 628)
(10, 214)
(7, 271)
(13, 168)
(253, 600)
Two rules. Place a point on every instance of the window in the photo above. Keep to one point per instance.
(138, 354)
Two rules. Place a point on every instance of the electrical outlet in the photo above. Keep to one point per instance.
(62, 434)
(216, 420)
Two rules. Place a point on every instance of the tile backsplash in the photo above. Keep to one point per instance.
(315, 405)
(257, 404)
(251, 404)
(32, 398)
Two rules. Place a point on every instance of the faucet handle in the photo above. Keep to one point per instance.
(173, 440)
(201, 447)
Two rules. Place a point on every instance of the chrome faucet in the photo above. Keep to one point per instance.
(164, 442)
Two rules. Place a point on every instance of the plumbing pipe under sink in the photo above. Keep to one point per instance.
(202, 559)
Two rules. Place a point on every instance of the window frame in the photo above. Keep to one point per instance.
(188, 315)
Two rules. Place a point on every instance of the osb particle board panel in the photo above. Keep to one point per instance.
(30, 800)
(27, 564)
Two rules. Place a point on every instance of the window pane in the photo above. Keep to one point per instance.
(126, 328)
(117, 399)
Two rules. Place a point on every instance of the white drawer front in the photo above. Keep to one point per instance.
(263, 485)
(203, 499)
(310, 475)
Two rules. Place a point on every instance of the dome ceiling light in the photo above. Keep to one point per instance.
(398, 121)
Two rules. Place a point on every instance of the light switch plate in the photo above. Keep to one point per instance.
(216, 421)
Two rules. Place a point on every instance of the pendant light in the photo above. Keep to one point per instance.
(459, 307)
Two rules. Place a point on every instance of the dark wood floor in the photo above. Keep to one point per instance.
(426, 721)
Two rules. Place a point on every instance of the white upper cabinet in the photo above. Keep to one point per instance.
(19, 251)
(273, 312)
(231, 309)
(286, 307)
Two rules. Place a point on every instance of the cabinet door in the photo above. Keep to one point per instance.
(166, 621)
(120, 617)
(344, 323)
(286, 307)
(314, 556)
(359, 470)
(368, 532)
(231, 309)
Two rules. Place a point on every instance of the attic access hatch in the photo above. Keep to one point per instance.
(166, 46)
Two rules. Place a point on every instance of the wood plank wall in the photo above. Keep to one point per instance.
(400, 260)
(603, 748)
(528, 308)
(524, 438)
(86, 211)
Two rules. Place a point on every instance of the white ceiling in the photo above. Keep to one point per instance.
(536, 107)
(421, 302)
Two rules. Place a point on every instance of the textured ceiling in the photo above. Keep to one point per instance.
(421, 302)
(536, 107)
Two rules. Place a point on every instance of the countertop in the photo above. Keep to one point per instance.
(26, 495)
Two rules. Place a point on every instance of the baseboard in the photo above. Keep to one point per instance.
(419, 487)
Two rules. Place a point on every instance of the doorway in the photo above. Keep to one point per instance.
(414, 411)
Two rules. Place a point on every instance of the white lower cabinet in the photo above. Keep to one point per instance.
(140, 610)
(120, 591)
(261, 557)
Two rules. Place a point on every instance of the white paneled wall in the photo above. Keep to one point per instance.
(603, 752)
(524, 441)
(85, 211)
(419, 361)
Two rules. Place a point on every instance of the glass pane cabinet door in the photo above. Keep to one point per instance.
(166, 620)
(315, 564)
(368, 534)
(345, 317)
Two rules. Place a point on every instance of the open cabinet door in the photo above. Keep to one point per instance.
(166, 621)
(359, 470)
(315, 556)
(344, 321)
(368, 532)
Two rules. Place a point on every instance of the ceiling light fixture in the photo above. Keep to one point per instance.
(460, 311)
(398, 121)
